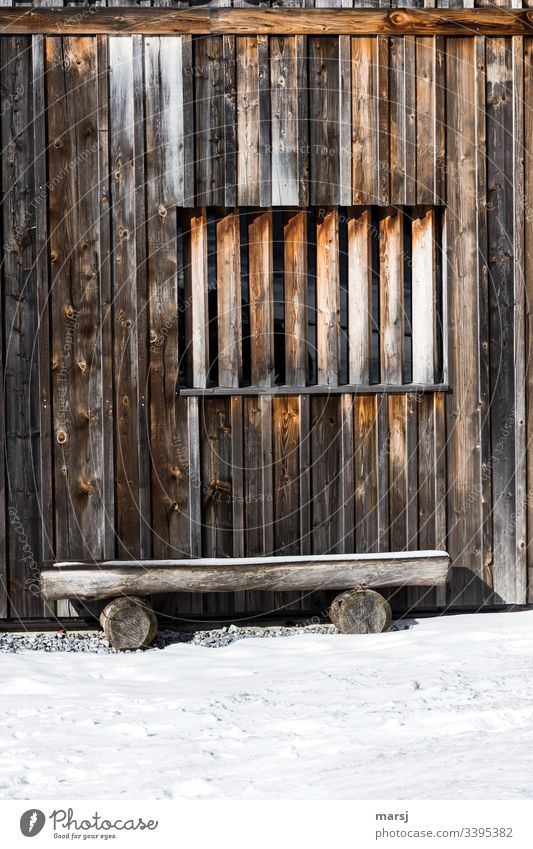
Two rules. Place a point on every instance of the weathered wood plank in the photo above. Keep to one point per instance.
(329, 137)
(72, 88)
(463, 420)
(20, 490)
(364, 120)
(196, 297)
(327, 297)
(285, 61)
(125, 308)
(229, 317)
(528, 283)
(326, 471)
(500, 222)
(391, 296)
(253, 21)
(261, 298)
(217, 514)
(366, 495)
(360, 295)
(209, 120)
(295, 288)
(165, 187)
(334, 572)
(253, 114)
(423, 320)
(286, 490)
(324, 389)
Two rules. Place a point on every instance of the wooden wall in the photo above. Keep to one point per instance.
(108, 145)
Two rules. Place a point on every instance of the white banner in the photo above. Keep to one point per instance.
(266, 825)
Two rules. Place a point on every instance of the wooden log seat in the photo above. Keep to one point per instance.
(359, 609)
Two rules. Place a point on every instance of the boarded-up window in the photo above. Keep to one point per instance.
(322, 296)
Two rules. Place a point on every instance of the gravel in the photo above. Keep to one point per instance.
(94, 642)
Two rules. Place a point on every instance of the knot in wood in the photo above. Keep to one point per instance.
(61, 437)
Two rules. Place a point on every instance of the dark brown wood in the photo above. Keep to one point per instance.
(72, 107)
(128, 623)
(21, 538)
(251, 21)
(361, 611)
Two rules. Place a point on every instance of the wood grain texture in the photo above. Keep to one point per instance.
(391, 287)
(76, 365)
(20, 487)
(143, 578)
(327, 297)
(253, 21)
(463, 420)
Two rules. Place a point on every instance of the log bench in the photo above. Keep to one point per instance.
(129, 621)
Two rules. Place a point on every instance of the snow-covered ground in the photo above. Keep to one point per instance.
(443, 710)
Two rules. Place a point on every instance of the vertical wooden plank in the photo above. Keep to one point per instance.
(423, 297)
(217, 537)
(347, 477)
(72, 89)
(285, 101)
(464, 503)
(261, 298)
(345, 120)
(303, 119)
(229, 299)
(528, 282)
(165, 188)
(364, 121)
(410, 119)
(195, 290)
(382, 473)
(327, 297)
(128, 517)
(295, 286)
(106, 289)
(397, 120)
(329, 144)
(304, 413)
(500, 221)
(366, 492)
(519, 590)
(253, 118)
(397, 414)
(286, 490)
(237, 472)
(360, 295)
(391, 296)
(20, 545)
(426, 132)
(230, 121)
(209, 119)
(169, 103)
(383, 119)
(326, 474)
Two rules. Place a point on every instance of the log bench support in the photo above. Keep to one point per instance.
(129, 622)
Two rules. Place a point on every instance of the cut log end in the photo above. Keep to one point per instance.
(128, 623)
(360, 611)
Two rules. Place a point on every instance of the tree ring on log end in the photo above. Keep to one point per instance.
(128, 623)
(360, 611)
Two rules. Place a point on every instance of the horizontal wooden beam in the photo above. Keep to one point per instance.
(341, 389)
(334, 571)
(217, 21)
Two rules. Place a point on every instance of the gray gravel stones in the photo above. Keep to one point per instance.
(94, 642)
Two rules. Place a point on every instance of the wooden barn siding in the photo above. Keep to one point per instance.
(111, 257)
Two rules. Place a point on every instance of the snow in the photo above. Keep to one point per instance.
(443, 710)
